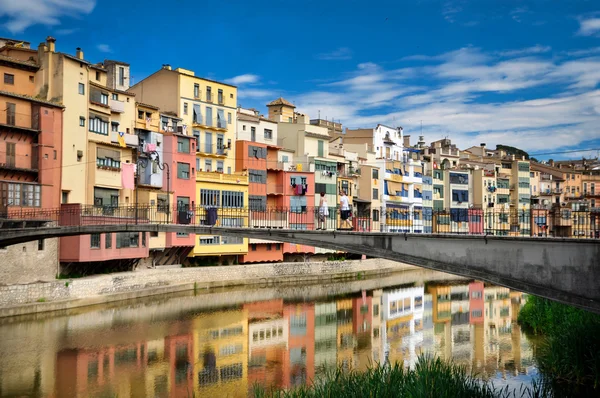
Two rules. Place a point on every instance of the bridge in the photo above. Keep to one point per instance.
(561, 269)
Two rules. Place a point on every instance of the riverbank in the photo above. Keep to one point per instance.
(569, 355)
(20, 299)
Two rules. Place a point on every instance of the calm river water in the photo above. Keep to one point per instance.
(219, 343)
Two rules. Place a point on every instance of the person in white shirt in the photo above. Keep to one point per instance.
(345, 212)
(323, 212)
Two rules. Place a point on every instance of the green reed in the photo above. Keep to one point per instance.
(430, 377)
(568, 356)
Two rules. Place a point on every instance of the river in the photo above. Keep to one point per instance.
(221, 342)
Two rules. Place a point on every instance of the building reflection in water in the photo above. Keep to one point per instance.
(273, 343)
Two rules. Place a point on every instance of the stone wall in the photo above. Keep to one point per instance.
(25, 262)
(199, 278)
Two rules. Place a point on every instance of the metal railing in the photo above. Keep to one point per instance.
(555, 222)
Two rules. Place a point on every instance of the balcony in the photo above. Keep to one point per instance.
(275, 165)
(22, 163)
(131, 140)
(117, 106)
(275, 189)
(212, 150)
(215, 176)
(394, 177)
(209, 123)
(20, 122)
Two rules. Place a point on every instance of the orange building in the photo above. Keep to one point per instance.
(299, 363)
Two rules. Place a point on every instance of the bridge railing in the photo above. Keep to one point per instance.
(466, 221)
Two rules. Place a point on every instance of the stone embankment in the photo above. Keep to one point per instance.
(19, 299)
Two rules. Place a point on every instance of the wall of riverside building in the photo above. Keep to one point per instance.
(20, 293)
(26, 263)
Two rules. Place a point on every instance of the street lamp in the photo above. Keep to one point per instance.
(162, 166)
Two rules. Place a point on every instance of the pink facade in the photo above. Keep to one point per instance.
(298, 216)
(183, 189)
(475, 221)
(362, 314)
(476, 303)
(90, 248)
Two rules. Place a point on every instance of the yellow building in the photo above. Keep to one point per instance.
(221, 349)
(208, 112)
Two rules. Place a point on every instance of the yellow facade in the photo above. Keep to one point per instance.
(209, 192)
(221, 349)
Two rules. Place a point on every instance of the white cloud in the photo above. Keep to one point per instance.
(463, 94)
(518, 13)
(342, 53)
(450, 10)
(105, 48)
(589, 26)
(243, 79)
(537, 49)
(21, 14)
(255, 93)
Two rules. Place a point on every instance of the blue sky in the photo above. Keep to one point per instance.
(514, 72)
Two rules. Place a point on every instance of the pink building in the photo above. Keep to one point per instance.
(476, 303)
(179, 153)
(476, 221)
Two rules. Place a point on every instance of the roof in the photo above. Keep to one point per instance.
(112, 89)
(29, 98)
(248, 118)
(281, 101)
(75, 58)
(161, 70)
(147, 105)
(30, 64)
(112, 61)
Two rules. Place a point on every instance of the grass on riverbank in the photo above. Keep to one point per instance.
(569, 356)
(430, 377)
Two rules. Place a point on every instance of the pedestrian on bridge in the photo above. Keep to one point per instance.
(323, 212)
(345, 211)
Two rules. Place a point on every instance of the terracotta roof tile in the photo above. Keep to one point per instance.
(29, 98)
(281, 101)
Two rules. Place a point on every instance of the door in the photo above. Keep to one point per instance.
(209, 117)
(208, 142)
(253, 134)
(10, 114)
(220, 144)
(320, 149)
(10, 154)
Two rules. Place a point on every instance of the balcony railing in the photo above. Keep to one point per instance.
(212, 149)
(117, 106)
(24, 122)
(275, 165)
(275, 189)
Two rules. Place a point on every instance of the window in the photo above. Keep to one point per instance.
(258, 176)
(207, 165)
(232, 199)
(220, 166)
(17, 194)
(95, 241)
(228, 117)
(114, 127)
(41, 244)
(98, 125)
(375, 215)
(31, 79)
(108, 158)
(253, 247)
(81, 121)
(65, 197)
(269, 248)
(277, 246)
(104, 98)
(320, 149)
(143, 239)
(183, 171)
(257, 203)
(232, 240)
(9, 78)
(210, 240)
(268, 134)
(257, 152)
(196, 90)
(121, 76)
(375, 173)
(115, 96)
(208, 94)
(183, 145)
(97, 75)
(106, 198)
(107, 241)
(210, 197)
(298, 204)
(81, 89)
(128, 239)
(11, 113)
(460, 196)
(375, 193)
(457, 178)
(185, 108)
(220, 96)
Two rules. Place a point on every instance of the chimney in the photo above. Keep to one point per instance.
(482, 145)
(522, 157)
(51, 43)
(166, 66)
(512, 157)
(79, 53)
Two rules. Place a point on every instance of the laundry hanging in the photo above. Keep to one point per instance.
(127, 175)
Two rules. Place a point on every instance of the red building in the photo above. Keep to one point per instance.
(299, 363)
